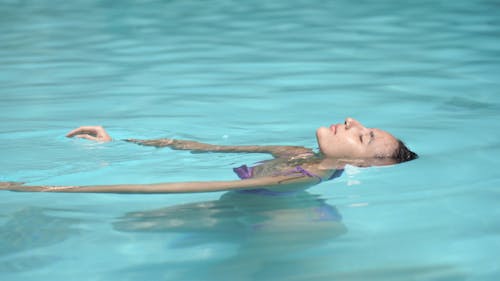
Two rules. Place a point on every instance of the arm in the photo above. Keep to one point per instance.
(97, 133)
(282, 182)
(197, 147)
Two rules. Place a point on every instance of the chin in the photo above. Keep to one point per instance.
(322, 131)
(320, 135)
(324, 145)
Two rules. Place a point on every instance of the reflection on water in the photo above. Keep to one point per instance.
(29, 229)
(274, 237)
(263, 229)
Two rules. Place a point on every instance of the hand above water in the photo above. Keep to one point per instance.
(93, 133)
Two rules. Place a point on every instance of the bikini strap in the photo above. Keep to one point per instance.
(299, 169)
(305, 172)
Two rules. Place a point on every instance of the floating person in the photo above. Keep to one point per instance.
(293, 167)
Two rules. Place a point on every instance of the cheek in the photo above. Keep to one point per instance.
(351, 147)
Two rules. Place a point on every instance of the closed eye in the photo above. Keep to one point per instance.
(372, 137)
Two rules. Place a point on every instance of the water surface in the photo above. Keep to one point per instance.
(260, 72)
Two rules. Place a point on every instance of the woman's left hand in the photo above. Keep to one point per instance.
(93, 133)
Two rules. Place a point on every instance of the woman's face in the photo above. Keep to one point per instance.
(353, 140)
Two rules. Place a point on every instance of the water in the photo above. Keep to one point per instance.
(259, 72)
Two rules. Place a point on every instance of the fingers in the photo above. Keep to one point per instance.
(6, 184)
(20, 187)
(92, 130)
(93, 133)
(10, 185)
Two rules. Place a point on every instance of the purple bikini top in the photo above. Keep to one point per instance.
(245, 172)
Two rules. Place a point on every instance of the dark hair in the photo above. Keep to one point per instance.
(403, 153)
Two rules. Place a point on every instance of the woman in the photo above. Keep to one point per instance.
(293, 167)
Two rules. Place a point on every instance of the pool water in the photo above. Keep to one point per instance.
(249, 72)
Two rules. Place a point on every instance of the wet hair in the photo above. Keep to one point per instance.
(403, 153)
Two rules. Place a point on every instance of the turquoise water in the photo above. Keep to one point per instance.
(249, 72)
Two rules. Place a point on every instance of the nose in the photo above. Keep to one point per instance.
(352, 123)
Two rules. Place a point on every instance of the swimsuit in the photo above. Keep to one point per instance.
(245, 172)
